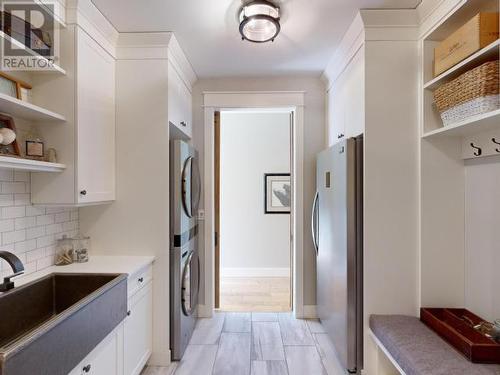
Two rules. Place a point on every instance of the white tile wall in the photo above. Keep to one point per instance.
(29, 231)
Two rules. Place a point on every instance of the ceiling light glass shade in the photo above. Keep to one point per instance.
(259, 22)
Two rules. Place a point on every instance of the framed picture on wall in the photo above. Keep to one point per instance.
(277, 193)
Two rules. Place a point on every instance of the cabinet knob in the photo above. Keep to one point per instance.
(141, 279)
(183, 123)
(129, 312)
(83, 192)
(87, 368)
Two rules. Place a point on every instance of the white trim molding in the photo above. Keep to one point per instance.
(310, 312)
(255, 272)
(156, 46)
(215, 101)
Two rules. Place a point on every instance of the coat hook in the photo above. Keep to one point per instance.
(478, 151)
(496, 142)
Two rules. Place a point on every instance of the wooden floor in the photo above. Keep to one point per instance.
(255, 344)
(257, 294)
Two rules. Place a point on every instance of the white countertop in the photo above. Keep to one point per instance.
(97, 264)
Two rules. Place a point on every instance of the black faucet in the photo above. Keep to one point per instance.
(17, 267)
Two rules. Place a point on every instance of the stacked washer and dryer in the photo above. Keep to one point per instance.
(185, 191)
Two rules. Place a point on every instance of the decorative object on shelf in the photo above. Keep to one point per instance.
(15, 87)
(9, 145)
(65, 251)
(468, 333)
(34, 145)
(474, 92)
(495, 332)
(474, 35)
(81, 249)
(259, 21)
(8, 86)
(52, 155)
(277, 193)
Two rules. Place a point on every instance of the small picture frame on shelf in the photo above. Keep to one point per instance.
(8, 137)
(34, 149)
(8, 86)
(14, 87)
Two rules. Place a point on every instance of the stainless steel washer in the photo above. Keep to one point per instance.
(185, 190)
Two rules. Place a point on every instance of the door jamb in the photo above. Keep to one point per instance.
(213, 102)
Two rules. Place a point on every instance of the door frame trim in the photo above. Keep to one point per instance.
(214, 102)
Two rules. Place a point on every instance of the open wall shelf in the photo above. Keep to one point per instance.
(30, 165)
(56, 69)
(488, 53)
(473, 125)
(18, 108)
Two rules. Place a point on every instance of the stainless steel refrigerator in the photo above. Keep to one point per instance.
(337, 230)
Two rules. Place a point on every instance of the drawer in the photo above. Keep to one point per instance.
(140, 279)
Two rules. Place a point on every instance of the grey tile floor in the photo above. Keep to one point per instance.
(255, 344)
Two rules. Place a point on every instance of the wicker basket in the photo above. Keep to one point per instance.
(474, 92)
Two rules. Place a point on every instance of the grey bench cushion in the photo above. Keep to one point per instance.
(419, 351)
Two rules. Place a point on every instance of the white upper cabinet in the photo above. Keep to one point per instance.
(346, 101)
(86, 142)
(95, 122)
(179, 102)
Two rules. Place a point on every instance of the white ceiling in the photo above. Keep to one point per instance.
(207, 30)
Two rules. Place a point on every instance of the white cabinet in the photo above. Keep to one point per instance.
(86, 142)
(346, 101)
(138, 331)
(127, 349)
(104, 359)
(179, 102)
(95, 125)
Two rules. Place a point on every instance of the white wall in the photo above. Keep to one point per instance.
(253, 243)
(314, 141)
(30, 232)
(482, 239)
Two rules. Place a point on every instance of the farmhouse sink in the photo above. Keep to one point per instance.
(49, 325)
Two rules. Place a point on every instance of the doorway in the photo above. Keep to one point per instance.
(253, 199)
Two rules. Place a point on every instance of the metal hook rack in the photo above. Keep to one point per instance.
(481, 145)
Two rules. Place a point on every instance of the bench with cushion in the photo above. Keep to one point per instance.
(419, 351)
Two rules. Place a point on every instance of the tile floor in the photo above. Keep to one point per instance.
(255, 344)
(255, 294)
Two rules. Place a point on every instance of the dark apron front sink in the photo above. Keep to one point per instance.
(48, 326)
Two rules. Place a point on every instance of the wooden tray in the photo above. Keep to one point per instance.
(450, 325)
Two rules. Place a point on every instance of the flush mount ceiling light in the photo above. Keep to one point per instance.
(259, 21)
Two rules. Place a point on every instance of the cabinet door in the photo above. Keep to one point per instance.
(95, 121)
(138, 331)
(103, 360)
(336, 115)
(179, 102)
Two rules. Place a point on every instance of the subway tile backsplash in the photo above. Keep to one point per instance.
(29, 231)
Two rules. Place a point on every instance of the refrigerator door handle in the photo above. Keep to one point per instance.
(314, 222)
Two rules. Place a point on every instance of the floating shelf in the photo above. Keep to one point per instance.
(488, 53)
(30, 165)
(18, 108)
(54, 69)
(473, 125)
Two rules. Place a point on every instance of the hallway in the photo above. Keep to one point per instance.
(259, 294)
(256, 344)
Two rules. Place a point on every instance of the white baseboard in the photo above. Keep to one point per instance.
(310, 312)
(255, 272)
(161, 358)
(204, 311)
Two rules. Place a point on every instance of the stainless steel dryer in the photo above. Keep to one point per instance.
(185, 190)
